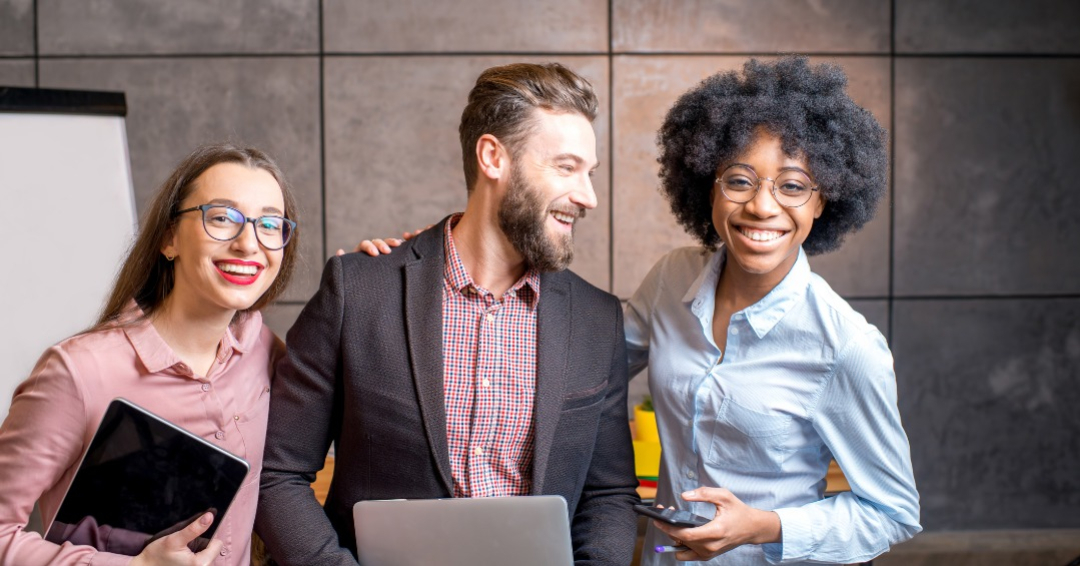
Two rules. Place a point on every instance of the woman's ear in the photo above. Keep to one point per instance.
(168, 247)
(819, 207)
(492, 158)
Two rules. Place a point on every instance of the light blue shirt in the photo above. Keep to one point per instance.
(805, 379)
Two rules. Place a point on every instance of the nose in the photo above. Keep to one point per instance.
(246, 242)
(584, 196)
(764, 204)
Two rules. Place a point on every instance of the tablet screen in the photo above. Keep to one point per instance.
(142, 478)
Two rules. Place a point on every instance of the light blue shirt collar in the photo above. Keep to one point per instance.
(762, 315)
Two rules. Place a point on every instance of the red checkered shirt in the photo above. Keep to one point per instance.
(489, 368)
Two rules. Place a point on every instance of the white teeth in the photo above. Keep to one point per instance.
(238, 269)
(761, 235)
(564, 217)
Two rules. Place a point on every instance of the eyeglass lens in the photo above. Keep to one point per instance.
(791, 188)
(225, 223)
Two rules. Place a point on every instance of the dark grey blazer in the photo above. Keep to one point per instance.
(365, 370)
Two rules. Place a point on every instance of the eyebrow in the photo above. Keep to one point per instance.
(267, 210)
(782, 169)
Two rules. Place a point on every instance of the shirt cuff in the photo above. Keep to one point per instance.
(110, 559)
(796, 537)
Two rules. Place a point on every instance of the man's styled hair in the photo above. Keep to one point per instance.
(807, 108)
(504, 98)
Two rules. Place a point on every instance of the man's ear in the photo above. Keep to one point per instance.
(493, 161)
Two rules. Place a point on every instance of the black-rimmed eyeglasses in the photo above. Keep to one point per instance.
(225, 223)
(791, 189)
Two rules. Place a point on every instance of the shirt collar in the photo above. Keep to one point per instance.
(762, 315)
(527, 288)
(156, 355)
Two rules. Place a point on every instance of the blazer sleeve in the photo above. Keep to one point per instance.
(604, 529)
(304, 413)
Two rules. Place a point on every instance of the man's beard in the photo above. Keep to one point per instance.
(522, 215)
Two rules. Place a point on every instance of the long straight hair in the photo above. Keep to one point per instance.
(147, 276)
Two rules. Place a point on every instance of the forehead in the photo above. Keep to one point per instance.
(765, 151)
(249, 187)
(562, 133)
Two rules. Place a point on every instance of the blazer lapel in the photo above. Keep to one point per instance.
(423, 327)
(553, 336)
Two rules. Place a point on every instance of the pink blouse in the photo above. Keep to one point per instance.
(55, 412)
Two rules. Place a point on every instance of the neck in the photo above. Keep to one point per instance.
(192, 334)
(738, 288)
(487, 255)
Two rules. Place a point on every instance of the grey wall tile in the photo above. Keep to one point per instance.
(17, 72)
(763, 26)
(875, 311)
(981, 26)
(645, 87)
(139, 27)
(465, 25)
(988, 396)
(177, 104)
(393, 159)
(17, 27)
(281, 316)
(986, 197)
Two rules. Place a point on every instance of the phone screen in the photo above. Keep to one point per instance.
(672, 516)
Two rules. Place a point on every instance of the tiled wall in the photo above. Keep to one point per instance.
(972, 268)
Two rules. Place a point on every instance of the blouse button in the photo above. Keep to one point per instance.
(220, 435)
(224, 552)
(735, 331)
(206, 387)
(236, 417)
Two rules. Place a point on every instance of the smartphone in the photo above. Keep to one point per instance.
(671, 516)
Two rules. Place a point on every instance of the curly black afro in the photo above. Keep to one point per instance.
(807, 108)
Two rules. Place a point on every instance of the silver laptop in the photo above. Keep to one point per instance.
(524, 531)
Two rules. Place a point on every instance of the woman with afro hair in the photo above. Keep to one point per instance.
(760, 373)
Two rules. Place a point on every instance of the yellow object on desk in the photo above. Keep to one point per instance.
(646, 445)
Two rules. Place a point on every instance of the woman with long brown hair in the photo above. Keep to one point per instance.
(181, 335)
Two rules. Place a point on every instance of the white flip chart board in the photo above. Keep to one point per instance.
(68, 216)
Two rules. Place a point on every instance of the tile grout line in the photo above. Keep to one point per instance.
(612, 52)
(611, 148)
(322, 135)
(37, 53)
(892, 168)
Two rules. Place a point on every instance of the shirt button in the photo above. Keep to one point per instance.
(220, 435)
(478, 451)
(206, 387)
(735, 331)
(224, 552)
(690, 474)
(491, 318)
(236, 417)
(486, 382)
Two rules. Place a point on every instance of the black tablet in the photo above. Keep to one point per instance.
(142, 478)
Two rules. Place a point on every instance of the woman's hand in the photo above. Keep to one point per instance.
(172, 550)
(379, 246)
(735, 524)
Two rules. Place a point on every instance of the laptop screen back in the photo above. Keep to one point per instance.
(524, 531)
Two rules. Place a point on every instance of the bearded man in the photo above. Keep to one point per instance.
(469, 363)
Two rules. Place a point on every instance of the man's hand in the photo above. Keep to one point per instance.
(379, 246)
(172, 550)
(735, 524)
